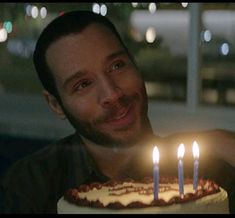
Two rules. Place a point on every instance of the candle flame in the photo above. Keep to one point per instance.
(181, 151)
(195, 150)
(155, 155)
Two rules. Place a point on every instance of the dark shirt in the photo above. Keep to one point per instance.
(35, 183)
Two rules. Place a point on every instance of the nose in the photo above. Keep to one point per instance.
(110, 92)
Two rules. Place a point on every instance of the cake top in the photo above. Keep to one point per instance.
(129, 193)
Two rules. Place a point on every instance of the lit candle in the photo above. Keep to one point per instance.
(181, 151)
(155, 172)
(196, 164)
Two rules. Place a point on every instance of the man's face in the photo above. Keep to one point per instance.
(102, 94)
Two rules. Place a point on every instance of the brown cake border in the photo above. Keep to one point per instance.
(205, 187)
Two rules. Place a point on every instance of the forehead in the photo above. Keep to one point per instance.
(93, 43)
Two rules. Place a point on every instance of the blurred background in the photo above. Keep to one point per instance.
(185, 51)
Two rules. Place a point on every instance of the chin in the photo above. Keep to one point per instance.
(128, 138)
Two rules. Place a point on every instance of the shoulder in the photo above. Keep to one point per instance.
(35, 180)
(42, 161)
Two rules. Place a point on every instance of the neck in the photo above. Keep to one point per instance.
(113, 162)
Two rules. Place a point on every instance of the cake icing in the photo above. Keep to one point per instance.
(131, 196)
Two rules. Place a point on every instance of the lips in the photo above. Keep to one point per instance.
(123, 118)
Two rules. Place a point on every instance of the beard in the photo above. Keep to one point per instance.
(90, 131)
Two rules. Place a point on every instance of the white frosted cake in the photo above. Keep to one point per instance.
(129, 196)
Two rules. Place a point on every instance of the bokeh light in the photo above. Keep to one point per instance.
(152, 8)
(150, 35)
(34, 12)
(224, 49)
(103, 9)
(96, 8)
(8, 26)
(43, 12)
(3, 35)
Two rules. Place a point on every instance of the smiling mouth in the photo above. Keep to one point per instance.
(121, 114)
(122, 118)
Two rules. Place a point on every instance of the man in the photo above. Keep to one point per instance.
(91, 79)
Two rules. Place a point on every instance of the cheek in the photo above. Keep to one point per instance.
(137, 87)
(133, 85)
(84, 110)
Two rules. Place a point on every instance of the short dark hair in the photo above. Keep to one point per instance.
(68, 23)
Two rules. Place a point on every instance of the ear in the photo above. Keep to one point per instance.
(54, 104)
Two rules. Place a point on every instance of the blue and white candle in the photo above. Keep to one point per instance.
(181, 151)
(155, 172)
(196, 164)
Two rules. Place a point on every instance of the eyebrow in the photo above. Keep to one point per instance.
(81, 73)
(116, 54)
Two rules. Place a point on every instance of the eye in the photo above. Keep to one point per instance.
(117, 65)
(82, 85)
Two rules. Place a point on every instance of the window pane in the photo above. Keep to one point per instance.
(218, 54)
(161, 35)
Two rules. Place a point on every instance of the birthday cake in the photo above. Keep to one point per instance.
(129, 196)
